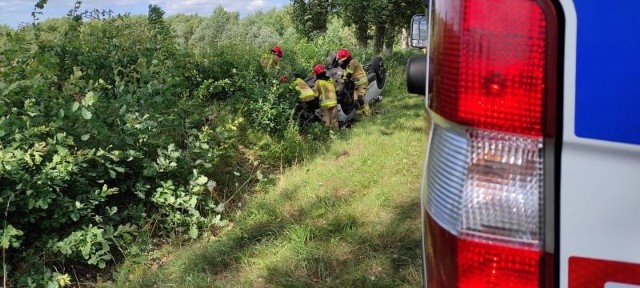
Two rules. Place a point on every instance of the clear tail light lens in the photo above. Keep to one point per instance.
(484, 196)
(502, 194)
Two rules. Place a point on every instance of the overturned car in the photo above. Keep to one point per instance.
(376, 75)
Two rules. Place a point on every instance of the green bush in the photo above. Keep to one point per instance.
(102, 136)
(127, 129)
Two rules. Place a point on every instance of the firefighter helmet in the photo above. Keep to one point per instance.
(319, 69)
(277, 50)
(343, 54)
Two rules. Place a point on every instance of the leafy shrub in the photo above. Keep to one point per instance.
(123, 128)
(101, 137)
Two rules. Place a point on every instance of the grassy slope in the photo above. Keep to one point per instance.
(349, 218)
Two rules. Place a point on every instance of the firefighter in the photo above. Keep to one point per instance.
(307, 102)
(273, 59)
(325, 90)
(353, 71)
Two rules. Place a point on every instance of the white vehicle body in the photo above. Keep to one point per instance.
(600, 170)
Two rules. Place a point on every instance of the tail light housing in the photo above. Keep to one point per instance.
(493, 106)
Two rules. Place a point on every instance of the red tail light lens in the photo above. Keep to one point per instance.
(490, 64)
(483, 264)
(460, 262)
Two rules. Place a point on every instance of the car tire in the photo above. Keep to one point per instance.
(377, 65)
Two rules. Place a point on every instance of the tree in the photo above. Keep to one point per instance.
(211, 30)
(311, 16)
(389, 17)
(278, 20)
(385, 17)
(355, 13)
(4, 34)
(399, 19)
(184, 26)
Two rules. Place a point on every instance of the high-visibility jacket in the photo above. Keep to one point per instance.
(270, 61)
(306, 94)
(356, 72)
(326, 92)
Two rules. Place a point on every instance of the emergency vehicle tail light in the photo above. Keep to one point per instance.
(484, 196)
(485, 182)
(502, 192)
(490, 65)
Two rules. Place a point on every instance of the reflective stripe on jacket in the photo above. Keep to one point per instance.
(357, 73)
(326, 91)
(306, 94)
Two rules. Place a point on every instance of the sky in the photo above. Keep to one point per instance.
(14, 12)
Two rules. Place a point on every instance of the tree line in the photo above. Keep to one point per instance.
(380, 21)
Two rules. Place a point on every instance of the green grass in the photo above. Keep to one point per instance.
(349, 217)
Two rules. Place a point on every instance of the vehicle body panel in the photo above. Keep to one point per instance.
(600, 169)
(593, 196)
(608, 70)
(597, 190)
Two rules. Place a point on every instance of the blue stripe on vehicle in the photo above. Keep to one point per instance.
(608, 70)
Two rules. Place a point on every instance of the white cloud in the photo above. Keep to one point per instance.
(12, 12)
(69, 3)
(94, 3)
(196, 6)
(205, 7)
(127, 2)
(15, 5)
(256, 5)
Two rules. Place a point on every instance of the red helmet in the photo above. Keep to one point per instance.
(343, 54)
(318, 69)
(276, 49)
